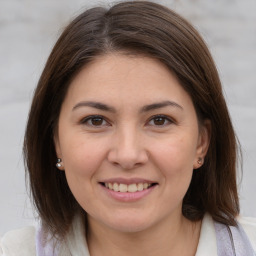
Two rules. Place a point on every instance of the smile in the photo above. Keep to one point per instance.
(124, 188)
(128, 190)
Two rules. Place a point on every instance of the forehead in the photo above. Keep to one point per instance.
(119, 77)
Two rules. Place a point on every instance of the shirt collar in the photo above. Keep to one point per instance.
(207, 244)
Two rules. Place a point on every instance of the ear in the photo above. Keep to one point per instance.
(203, 143)
(59, 160)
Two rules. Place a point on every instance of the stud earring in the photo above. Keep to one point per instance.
(59, 163)
(200, 160)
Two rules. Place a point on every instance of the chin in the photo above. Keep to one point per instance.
(130, 228)
(130, 224)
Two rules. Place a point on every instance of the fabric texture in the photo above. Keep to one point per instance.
(232, 241)
(45, 246)
(19, 242)
(30, 241)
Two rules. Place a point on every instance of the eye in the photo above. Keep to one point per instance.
(160, 120)
(95, 121)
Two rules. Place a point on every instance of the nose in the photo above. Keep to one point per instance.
(128, 150)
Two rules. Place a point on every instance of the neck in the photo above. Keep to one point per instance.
(162, 239)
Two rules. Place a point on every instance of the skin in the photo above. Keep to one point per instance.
(128, 141)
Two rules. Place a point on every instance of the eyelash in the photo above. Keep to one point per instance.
(89, 119)
(164, 118)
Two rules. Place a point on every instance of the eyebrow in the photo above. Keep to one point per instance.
(94, 104)
(104, 107)
(161, 105)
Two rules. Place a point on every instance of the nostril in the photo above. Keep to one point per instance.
(127, 156)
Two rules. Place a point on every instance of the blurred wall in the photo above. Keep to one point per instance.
(28, 30)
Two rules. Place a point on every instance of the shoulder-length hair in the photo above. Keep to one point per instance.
(137, 27)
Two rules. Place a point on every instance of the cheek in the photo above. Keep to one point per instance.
(176, 152)
(82, 160)
(175, 159)
(82, 157)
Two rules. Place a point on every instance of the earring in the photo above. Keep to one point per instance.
(200, 160)
(59, 163)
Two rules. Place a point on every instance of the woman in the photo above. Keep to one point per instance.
(129, 145)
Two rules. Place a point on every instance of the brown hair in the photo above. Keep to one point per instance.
(138, 27)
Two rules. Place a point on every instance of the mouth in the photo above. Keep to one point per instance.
(127, 188)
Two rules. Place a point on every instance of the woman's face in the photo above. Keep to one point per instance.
(129, 140)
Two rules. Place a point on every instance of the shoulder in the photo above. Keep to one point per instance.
(249, 226)
(18, 242)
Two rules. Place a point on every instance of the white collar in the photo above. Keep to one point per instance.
(207, 244)
(75, 243)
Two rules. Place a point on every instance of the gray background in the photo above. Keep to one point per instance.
(28, 30)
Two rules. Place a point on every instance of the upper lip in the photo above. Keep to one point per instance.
(127, 181)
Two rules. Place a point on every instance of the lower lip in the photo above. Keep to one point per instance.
(128, 196)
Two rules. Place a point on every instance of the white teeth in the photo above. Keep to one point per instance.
(140, 186)
(145, 185)
(115, 187)
(123, 188)
(132, 188)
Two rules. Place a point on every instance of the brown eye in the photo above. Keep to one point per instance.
(159, 120)
(95, 121)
